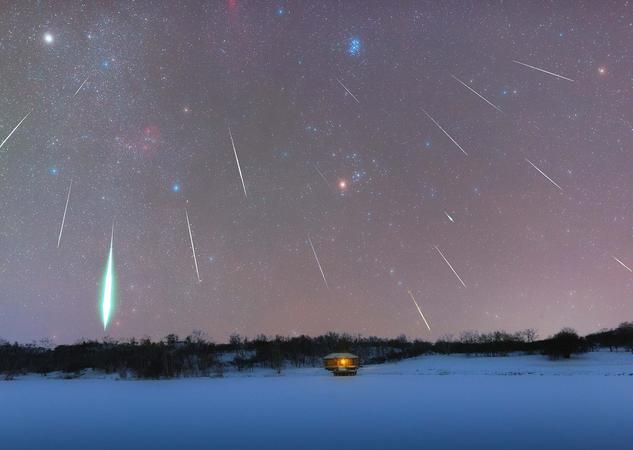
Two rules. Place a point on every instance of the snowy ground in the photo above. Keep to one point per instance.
(434, 402)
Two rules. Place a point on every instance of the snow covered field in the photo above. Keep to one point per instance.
(432, 402)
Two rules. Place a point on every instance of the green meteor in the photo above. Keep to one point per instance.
(108, 298)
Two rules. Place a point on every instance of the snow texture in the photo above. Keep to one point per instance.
(432, 402)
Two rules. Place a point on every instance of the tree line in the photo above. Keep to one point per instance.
(197, 356)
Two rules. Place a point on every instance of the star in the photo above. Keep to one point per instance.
(176, 187)
(602, 70)
(48, 38)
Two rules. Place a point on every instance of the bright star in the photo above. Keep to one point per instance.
(49, 38)
(602, 70)
(175, 187)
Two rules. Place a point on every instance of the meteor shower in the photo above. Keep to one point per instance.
(302, 224)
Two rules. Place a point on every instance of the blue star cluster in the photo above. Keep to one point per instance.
(354, 46)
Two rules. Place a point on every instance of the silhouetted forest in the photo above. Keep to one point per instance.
(196, 356)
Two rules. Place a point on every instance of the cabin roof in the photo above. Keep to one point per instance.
(339, 355)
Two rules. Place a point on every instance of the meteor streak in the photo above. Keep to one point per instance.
(449, 265)
(449, 217)
(82, 85)
(16, 127)
(193, 249)
(239, 169)
(317, 261)
(477, 93)
(419, 310)
(107, 301)
(622, 264)
(348, 91)
(543, 70)
(324, 179)
(61, 228)
(543, 173)
(445, 132)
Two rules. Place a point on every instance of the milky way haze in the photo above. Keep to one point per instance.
(326, 104)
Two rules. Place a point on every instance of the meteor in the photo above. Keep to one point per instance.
(82, 85)
(543, 173)
(449, 217)
(61, 228)
(324, 179)
(239, 169)
(16, 127)
(317, 261)
(543, 70)
(348, 91)
(477, 93)
(193, 249)
(419, 310)
(445, 132)
(107, 301)
(622, 264)
(449, 265)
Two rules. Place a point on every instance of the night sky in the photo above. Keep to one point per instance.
(326, 104)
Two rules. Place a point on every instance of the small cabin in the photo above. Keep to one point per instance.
(341, 363)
